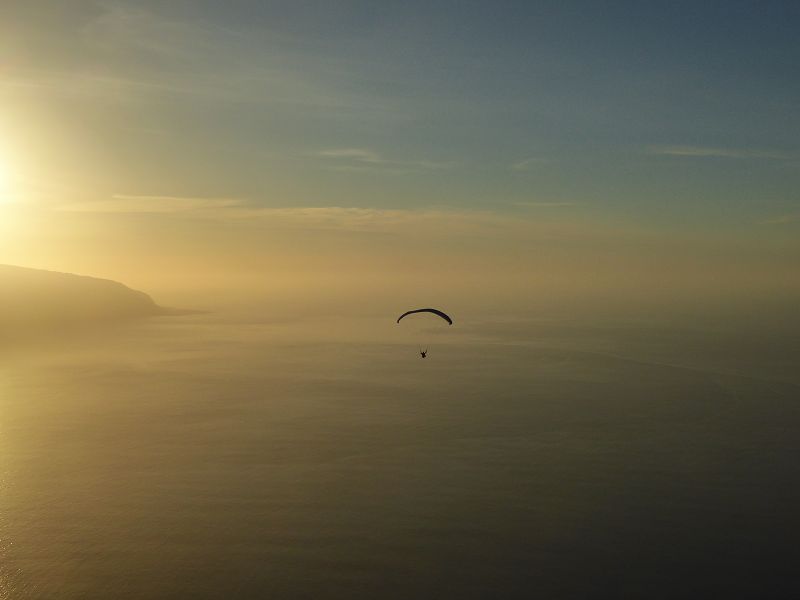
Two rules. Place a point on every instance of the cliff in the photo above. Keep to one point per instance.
(31, 298)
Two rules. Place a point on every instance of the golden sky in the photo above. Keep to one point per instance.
(264, 148)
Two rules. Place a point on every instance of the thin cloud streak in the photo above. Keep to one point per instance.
(782, 220)
(357, 154)
(527, 164)
(125, 203)
(707, 152)
(544, 204)
(310, 217)
(361, 159)
(136, 55)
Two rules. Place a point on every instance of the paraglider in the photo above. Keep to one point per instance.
(430, 310)
(438, 313)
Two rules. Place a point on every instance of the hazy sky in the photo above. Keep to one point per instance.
(152, 127)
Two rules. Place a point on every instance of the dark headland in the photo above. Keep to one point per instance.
(33, 299)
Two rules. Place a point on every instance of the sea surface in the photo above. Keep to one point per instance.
(218, 456)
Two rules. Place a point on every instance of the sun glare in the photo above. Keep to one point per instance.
(5, 183)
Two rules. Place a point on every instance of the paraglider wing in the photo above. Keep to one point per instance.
(430, 310)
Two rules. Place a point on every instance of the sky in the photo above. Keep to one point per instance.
(558, 141)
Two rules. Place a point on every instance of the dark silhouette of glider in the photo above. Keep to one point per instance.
(423, 353)
(430, 310)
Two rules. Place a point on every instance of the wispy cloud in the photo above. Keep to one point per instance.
(709, 152)
(304, 217)
(782, 219)
(361, 159)
(125, 203)
(354, 154)
(129, 53)
(527, 164)
(544, 204)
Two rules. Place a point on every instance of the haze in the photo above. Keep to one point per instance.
(603, 197)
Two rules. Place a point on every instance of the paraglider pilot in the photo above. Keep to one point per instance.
(424, 353)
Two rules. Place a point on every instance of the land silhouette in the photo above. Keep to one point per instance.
(34, 301)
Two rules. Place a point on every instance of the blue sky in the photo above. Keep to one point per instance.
(678, 112)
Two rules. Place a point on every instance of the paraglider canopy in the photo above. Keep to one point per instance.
(429, 310)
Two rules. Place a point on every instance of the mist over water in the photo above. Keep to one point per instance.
(232, 454)
(212, 213)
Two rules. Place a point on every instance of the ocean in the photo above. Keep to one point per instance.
(228, 456)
